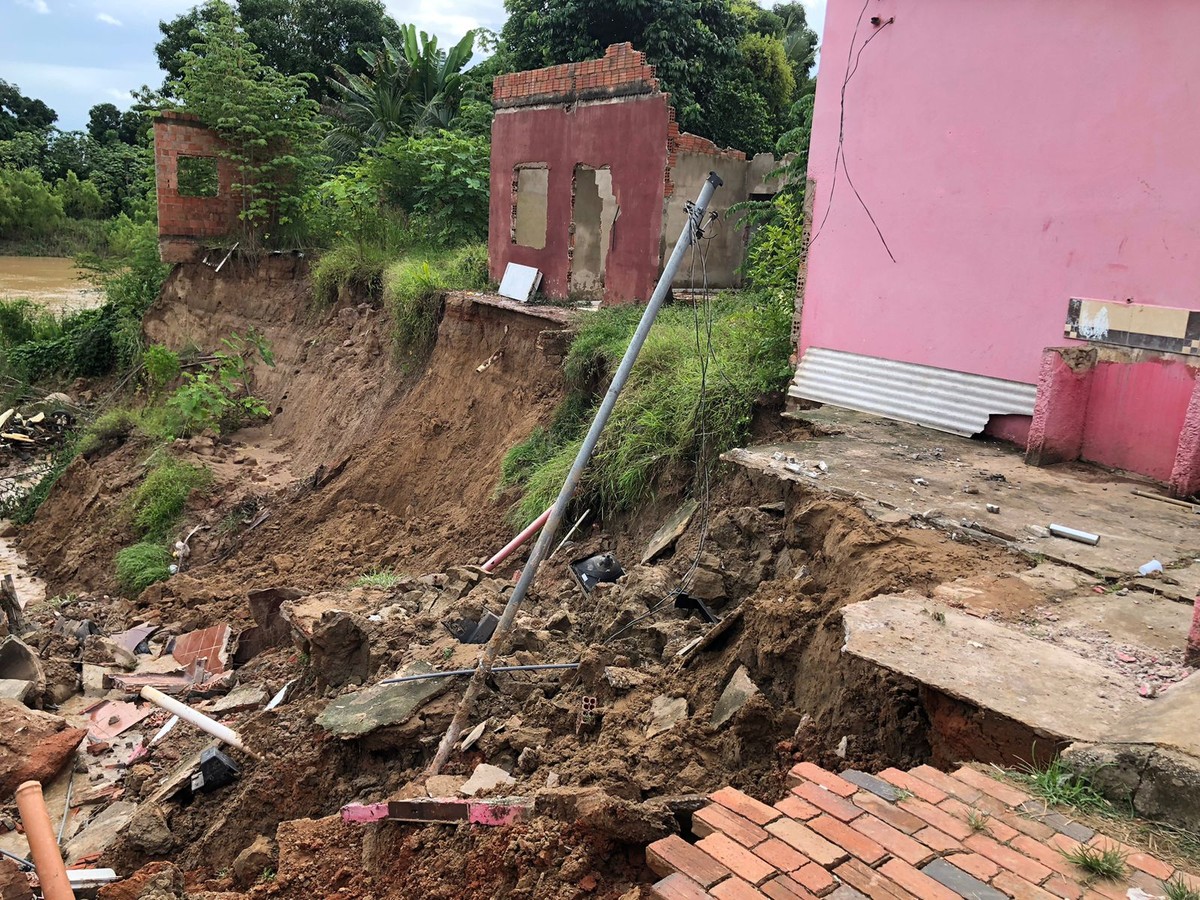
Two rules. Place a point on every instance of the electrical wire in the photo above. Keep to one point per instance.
(840, 156)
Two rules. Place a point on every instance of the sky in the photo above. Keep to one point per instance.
(73, 54)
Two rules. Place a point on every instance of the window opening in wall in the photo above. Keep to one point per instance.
(594, 211)
(530, 185)
(196, 176)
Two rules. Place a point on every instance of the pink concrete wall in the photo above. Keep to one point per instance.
(1135, 412)
(628, 136)
(1015, 154)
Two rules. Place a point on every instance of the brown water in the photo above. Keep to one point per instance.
(52, 281)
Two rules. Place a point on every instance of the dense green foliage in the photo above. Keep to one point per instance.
(413, 289)
(156, 505)
(686, 400)
(218, 396)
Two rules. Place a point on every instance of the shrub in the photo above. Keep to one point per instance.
(142, 565)
(413, 289)
(161, 365)
(158, 502)
(218, 396)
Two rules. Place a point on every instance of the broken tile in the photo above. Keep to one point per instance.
(736, 695)
(110, 718)
(207, 643)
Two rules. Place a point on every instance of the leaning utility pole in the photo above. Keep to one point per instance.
(689, 236)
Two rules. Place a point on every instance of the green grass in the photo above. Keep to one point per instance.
(1177, 889)
(349, 266)
(377, 578)
(158, 502)
(142, 565)
(1056, 784)
(108, 430)
(657, 423)
(413, 289)
(1098, 863)
(978, 821)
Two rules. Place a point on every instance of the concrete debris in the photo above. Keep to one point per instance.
(100, 833)
(249, 865)
(359, 713)
(100, 651)
(736, 695)
(474, 735)
(239, 700)
(670, 532)
(19, 663)
(665, 713)
(16, 689)
(624, 679)
(486, 778)
(94, 680)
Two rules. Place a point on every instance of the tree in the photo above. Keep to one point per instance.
(264, 116)
(406, 90)
(28, 207)
(293, 36)
(79, 199)
(104, 123)
(19, 113)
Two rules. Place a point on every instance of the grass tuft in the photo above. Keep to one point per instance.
(413, 290)
(1178, 889)
(1096, 862)
(1057, 784)
(978, 821)
(142, 565)
(158, 502)
(377, 578)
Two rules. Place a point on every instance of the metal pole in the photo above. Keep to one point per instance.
(426, 676)
(542, 548)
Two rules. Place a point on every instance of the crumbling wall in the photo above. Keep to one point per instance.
(605, 118)
(196, 201)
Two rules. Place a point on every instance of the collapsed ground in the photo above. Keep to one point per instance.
(366, 469)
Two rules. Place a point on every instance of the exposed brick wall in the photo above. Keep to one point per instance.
(185, 223)
(685, 142)
(621, 72)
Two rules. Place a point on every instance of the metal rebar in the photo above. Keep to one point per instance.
(541, 549)
(456, 672)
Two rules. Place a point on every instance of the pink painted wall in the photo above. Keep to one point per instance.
(1135, 412)
(1015, 154)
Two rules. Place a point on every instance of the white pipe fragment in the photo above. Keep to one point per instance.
(209, 726)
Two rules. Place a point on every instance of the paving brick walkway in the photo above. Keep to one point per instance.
(917, 835)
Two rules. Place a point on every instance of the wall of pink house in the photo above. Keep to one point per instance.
(1014, 155)
(1135, 412)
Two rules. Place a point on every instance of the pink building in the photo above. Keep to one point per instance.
(1032, 269)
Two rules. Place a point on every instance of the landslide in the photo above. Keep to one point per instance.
(418, 452)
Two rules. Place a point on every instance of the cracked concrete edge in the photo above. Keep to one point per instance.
(1161, 784)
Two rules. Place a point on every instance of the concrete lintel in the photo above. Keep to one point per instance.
(1059, 417)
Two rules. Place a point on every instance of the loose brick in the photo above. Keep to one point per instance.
(807, 771)
(1006, 794)
(1111, 890)
(1156, 868)
(946, 784)
(1064, 843)
(679, 887)
(783, 857)
(872, 883)
(845, 892)
(1047, 855)
(915, 786)
(793, 806)
(736, 889)
(937, 840)
(1007, 858)
(938, 818)
(872, 783)
(816, 878)
(974, 864)
(858, 844)
(996, 828)
(895, 842)
(745, 806)
(1062, 887)
(674, 854)
(781, 887)
(807, 842)
(716, 818)
(916, 882)
(827, 801)
(1019, 888)
(740, 861)
(1037, 830)
(893, 815)
(960, 882)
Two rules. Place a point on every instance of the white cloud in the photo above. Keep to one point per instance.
(38, 6)
(78, 80)
(109, 20)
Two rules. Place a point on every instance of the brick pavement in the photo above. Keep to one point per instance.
(917, 835)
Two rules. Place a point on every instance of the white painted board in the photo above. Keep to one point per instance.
(519, 282)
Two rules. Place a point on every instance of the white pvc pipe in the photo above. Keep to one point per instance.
(209, 726)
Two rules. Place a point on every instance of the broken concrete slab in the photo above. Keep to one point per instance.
(93, 679)
(100, 651)
(15, 689)
(736, 695)
(34, 746)
(624, 679)
(486, 778)
(988, 666)
(101, 832)
(361, 712)
(250, 696)
(20, 663)
(671, 531)
(665, 713)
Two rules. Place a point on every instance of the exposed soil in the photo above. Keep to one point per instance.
(417, 495)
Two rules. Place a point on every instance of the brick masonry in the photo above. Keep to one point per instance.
(917, 835)
(186, 223)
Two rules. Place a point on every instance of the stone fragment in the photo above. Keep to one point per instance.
(249, 865)
(381, 705)
(93, 680)
(665, 713)
(736, 694)
(20, 663)
(15, 689)
(34, 746)
(670, 531)
(14, 884)
(239, 700)
(101, 832)
(624, 679)
(148, 831)
(486, 778)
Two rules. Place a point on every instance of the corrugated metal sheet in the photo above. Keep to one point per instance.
(936, 398)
